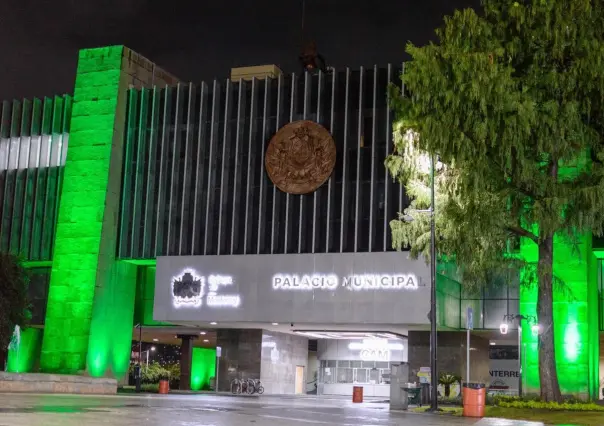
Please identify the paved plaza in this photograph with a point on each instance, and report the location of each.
(211, 410)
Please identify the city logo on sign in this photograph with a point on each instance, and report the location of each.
(189, 290)
(355, 282)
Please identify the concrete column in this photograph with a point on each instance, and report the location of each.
(241, 355)
(576, 328)
(186, 358)
(451, 355)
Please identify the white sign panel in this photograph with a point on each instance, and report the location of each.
(326, 288)
(504, 375)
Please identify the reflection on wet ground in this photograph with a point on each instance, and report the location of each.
(212, 410)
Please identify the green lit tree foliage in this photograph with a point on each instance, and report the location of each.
(14, 304)
(511, 99)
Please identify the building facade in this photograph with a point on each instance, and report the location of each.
(143, 207)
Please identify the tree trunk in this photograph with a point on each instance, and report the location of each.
(548, 375)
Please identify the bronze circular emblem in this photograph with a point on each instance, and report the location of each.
(300, 157)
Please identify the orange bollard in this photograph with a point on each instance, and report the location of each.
(164, 387)
(474, 399)
(357, 394)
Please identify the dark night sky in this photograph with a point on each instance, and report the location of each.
(199, 40)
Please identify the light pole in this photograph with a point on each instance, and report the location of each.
(503, 328)
(137, 368)
(432, 314)
(433, 335)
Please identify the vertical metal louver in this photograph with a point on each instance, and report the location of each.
(194, 180)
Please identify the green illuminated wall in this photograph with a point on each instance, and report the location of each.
(575, 319)
(145, 296)
(111, 326)
(87, 221)
(448, 307)
(203, 367)
(23, 358)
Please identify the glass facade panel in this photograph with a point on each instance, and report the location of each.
(38, 294)
(354, 372)
(361, 375)
(494, 312)
(345, 375)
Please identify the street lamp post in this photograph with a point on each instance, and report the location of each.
(432, 313)
(140, 355)
(433, 335)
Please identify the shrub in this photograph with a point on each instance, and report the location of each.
(150, 388)
(456, 400)
(152, 373)
(533, 402)
(174, 374)
(552, 406)
(448, 379)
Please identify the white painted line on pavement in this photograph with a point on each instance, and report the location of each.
(318, 421)
(294, 419)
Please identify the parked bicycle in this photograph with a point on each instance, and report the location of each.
(246, 386)
(255, 386)
(236, 386)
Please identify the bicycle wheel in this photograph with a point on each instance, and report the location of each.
(260, 390)
(250, 389)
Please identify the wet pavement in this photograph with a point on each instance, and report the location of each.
(212, 410)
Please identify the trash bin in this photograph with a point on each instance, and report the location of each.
(357, 394)
(474, 399)
(164, 387)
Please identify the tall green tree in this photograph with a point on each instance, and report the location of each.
(511, 98)
(14, 304)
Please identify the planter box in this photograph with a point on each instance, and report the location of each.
(55, 383)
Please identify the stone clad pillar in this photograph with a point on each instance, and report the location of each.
(86, 282)
(576, 328)
(186, 358)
